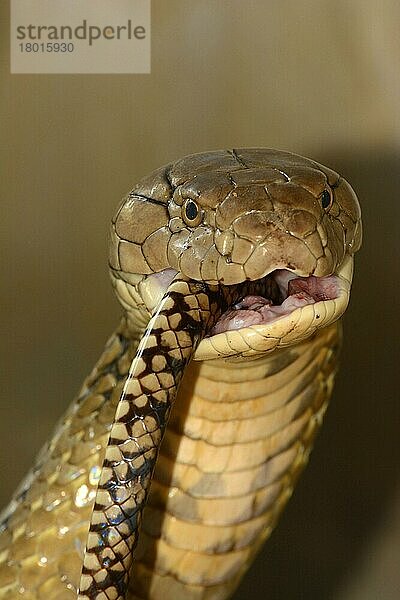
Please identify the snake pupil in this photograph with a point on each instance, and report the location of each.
(325, 199)
(191, 210)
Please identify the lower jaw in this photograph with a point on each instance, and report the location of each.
(280, 330)
(276, 296)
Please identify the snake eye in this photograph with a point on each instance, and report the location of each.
(192, 213)
(326, 199)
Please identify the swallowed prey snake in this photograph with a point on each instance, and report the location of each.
(232, 268)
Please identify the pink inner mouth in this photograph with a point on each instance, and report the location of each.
(295, 292)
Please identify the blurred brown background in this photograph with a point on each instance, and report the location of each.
(320, 78)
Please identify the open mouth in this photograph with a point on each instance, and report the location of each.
(276, 311)
(261, 302)
(279, 294)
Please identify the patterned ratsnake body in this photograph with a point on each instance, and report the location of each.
(242, 261)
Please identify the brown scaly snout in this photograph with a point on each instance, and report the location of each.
(237, 223)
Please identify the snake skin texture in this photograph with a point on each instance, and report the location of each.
(139, 424)
(171, 467)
